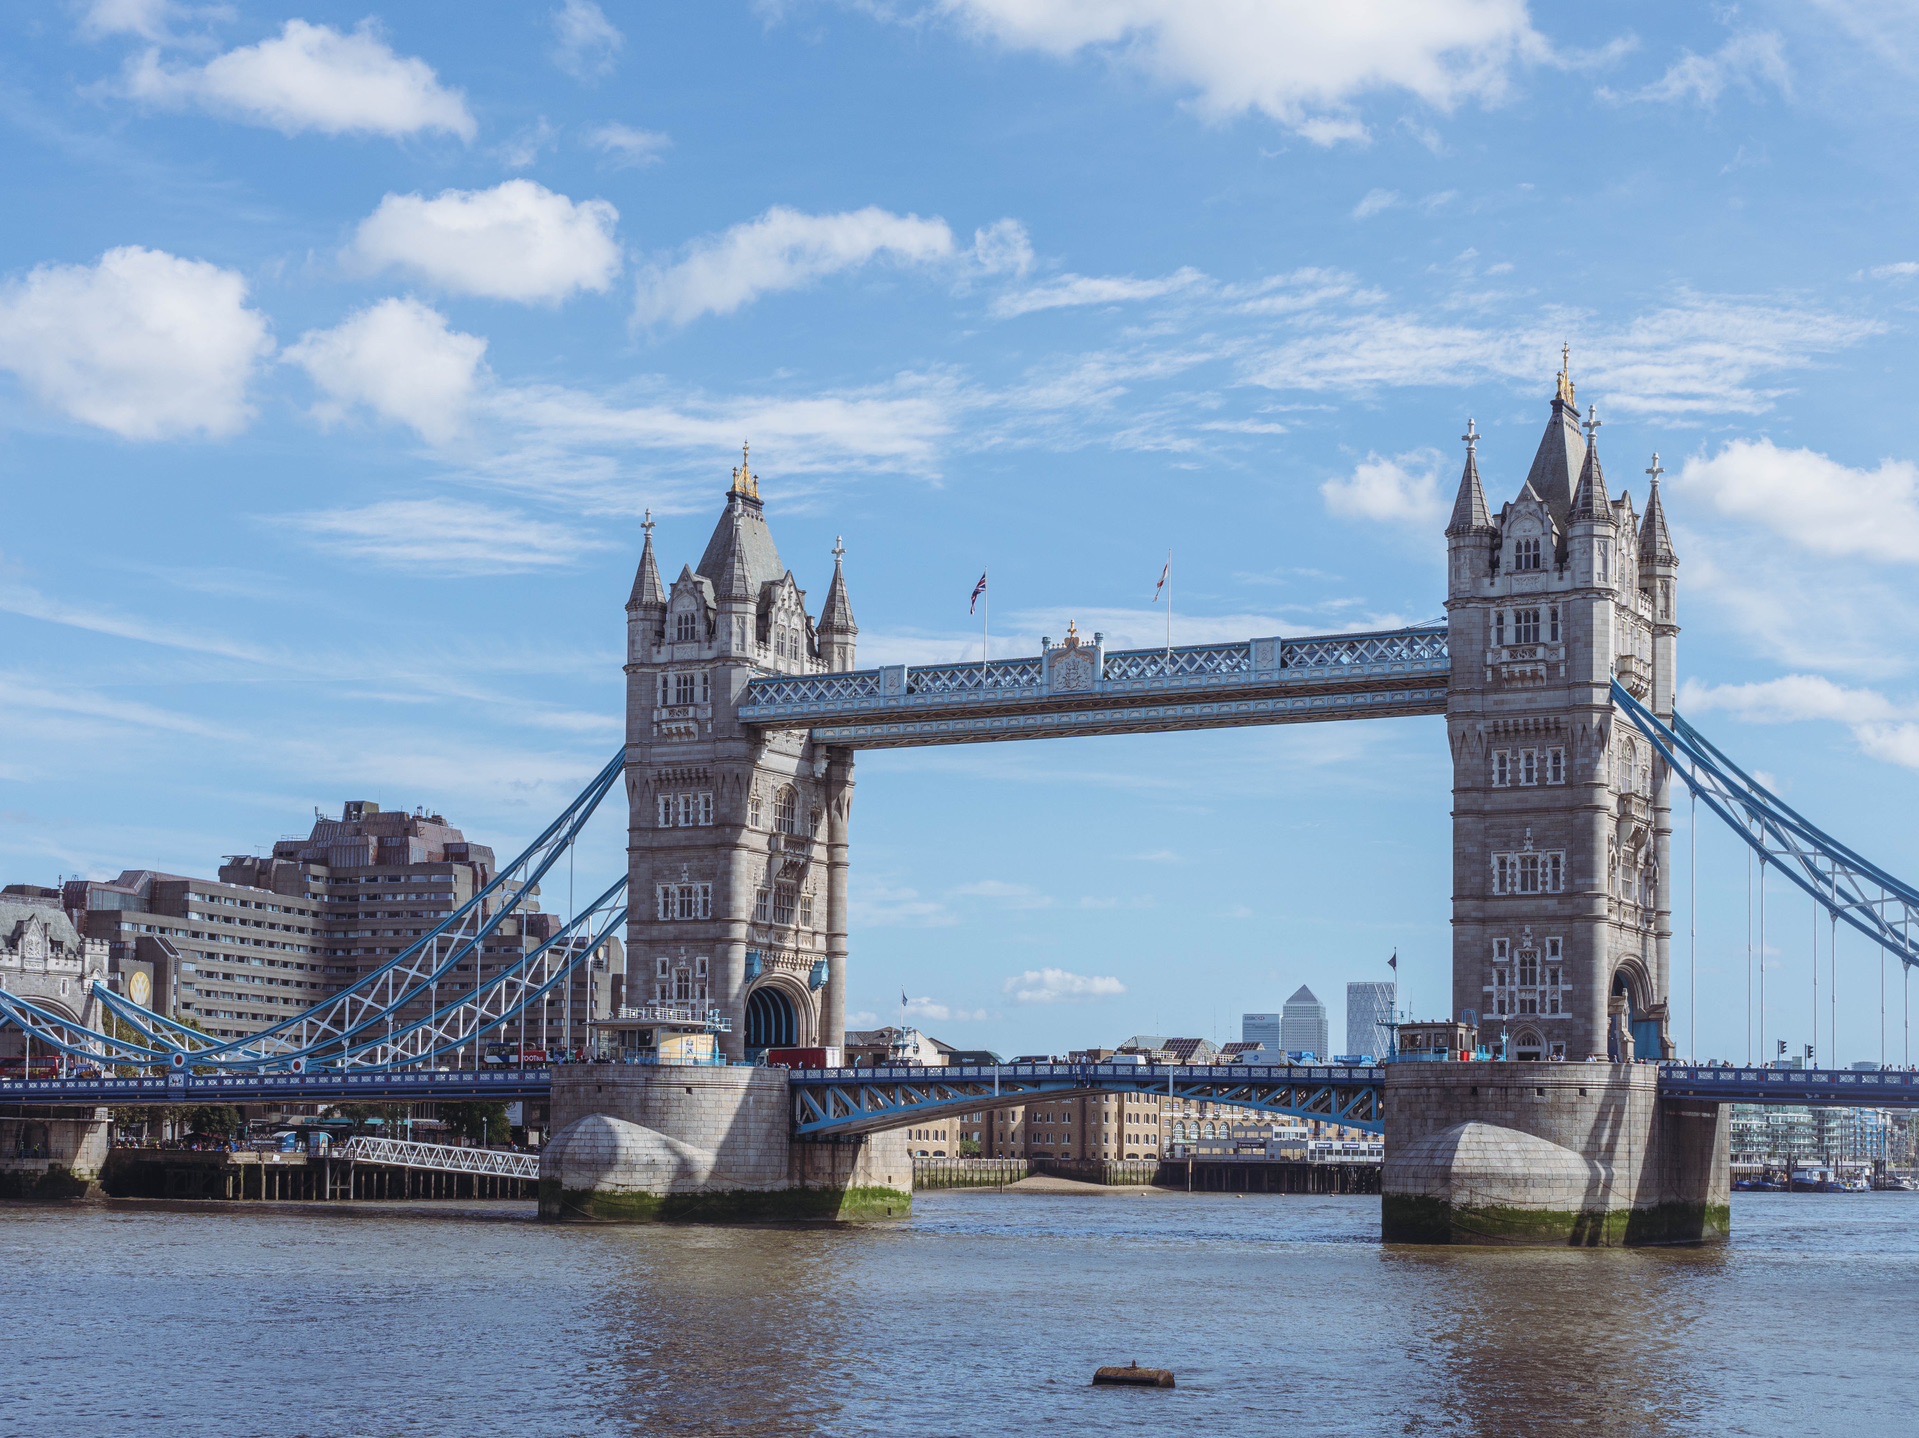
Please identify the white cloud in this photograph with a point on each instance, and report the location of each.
(1302, 64)
(942, 1013)
(526, 145)
(1375, 202)
(312, 77)
(1882, 728)
(1057, 986)
(1752, 61)
(1813, 501)
(1401, 490)
(143, 343)
(1016, 896)
(784, 249)
(400, 359)
(144, 18)
(1070, 291)
(627, 147)
(587, 45)
(1003, 248)
(882, 905)
(516, 241)
(1902, 270)
(445, 536)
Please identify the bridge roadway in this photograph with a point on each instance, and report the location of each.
(1078, 688)
(852, 1101)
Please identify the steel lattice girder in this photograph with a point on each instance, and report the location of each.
(356, 1084)
(440, 1157)
(1812, 1088)
(1257, 681)
(852, 1101)
(1847, 885)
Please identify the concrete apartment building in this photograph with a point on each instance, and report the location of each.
(228, 958)
(274, 936)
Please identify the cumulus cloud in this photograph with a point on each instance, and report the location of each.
(311, 77)
(938, 1012)
(1058, 986)
(1072, 291)
(625, 147)
(1901, 270)
(143, 343)
(1815, 502)
(784, 249)
(145, 18)
(1003, 248)
(445, 536)
(1303, 65)
(1753, 62)
(401, 360)
(1401, 490)
(516, 241)
(586, 44)
(1883, 728)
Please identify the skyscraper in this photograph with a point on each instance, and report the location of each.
(1260, 1029)
(1369, 1007)
(1302, 1024)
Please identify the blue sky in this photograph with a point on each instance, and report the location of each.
(342, 350)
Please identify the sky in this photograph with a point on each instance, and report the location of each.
(342, 351)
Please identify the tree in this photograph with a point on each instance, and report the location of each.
(213, 1120)
(476, 1122)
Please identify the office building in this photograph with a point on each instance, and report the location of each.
(1369, 1012)
(1302, 1025)
(1262, 1029)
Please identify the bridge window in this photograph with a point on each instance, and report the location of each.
(1526, 554)
(691, 687)
(763, 906)
(1526, 625)
(686, 811)
(684, 901)
(783, 903)
(685, 627)
(1552, 624)
(1530, 873)
(1555, 766)
(1502, 768)
(755, 809)
(1499, 628)
(786, 810)
(1529, 766)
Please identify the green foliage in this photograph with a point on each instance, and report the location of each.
(212, 1120)
(476, 1122)
(969, 1148)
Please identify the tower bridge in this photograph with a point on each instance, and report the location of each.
(1555, 671)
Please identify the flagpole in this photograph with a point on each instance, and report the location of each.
(986, 628)
(1169, 607)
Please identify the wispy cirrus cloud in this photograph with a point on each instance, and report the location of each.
(446, 537)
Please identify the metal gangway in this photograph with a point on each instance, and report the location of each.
(441, 1157)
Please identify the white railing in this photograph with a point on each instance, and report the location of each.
(441, 1157)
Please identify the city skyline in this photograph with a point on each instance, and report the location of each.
(1089, 299)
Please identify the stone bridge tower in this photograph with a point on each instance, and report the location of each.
(1562, 880)
(737, 839)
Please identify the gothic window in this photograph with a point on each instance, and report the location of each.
(1525, 626)
(1526, 554)
(662, 966)
(1499, 628)
(1529, 873)
(1552, 624)
(806, 910)
(666, 811)
(682, 985)
(1502, 768)
(1605, 562)
(684, 627)
(684, 901)
(1555, 766)
(1529, 968)
(786, 810)
(1528, 766)
(763, 906)
(753, 809)
(784, 901)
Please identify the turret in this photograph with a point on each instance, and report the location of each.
(646, 606)
(1659, 580)
(837, 631)
(1471, 535)
(1562, 449)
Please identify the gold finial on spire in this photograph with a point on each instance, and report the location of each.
(745, 483)
(1566, 374)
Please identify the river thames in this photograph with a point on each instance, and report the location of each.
(986, 1313)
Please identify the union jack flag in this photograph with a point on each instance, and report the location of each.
(978, 590)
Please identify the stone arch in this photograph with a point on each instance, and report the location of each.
(1527, 1044)
(779, 1014)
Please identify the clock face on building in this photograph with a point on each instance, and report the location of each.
(140, 988)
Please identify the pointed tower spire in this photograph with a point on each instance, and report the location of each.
(1562, 449)
(1655, 540)
(735, 581)
(837, 629)
(1590, 502)
(1470, 512)
(648, 592)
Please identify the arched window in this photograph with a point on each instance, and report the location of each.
(754, 809)
(684, 627)
(1526, 554)
(786, 811)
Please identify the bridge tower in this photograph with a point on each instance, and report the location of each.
(737, 838)
(1562, 898)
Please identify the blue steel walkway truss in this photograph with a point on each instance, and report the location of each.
(1084, 690)
(832, 1102)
